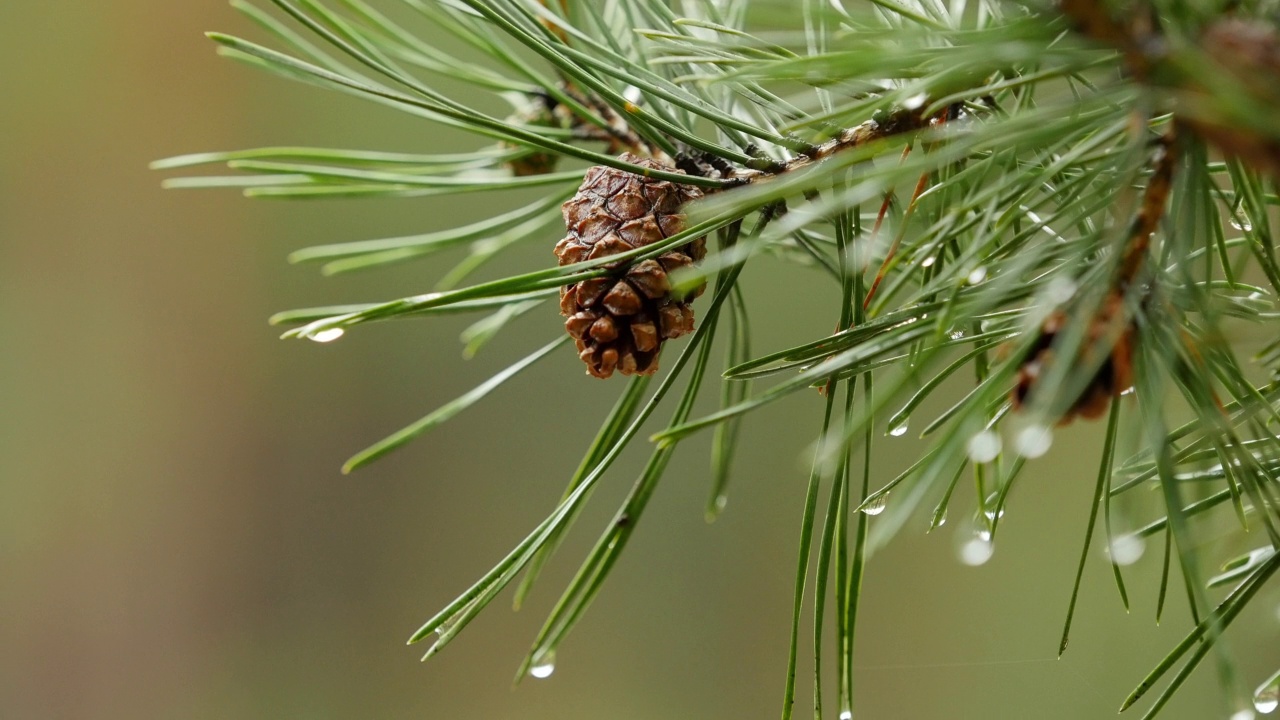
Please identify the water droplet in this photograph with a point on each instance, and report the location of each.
(940, 519)
(1033, 441)
(957, 335)
(1127, 549)
(876, 505)
(977, 275)
(984, 536)
(984, 447)
(976, 552)
(846, 715)
(1267, 697)
(722, 501)
(1241, 222)
(1060, 290)
(915, 101)
(993, 515)
(899, 430)
(1245, 714)
(929, 261)
(544, 665)
(325, 336)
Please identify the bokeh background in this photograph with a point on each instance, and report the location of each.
(176, 540)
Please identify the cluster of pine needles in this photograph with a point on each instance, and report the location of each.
(1071, 210)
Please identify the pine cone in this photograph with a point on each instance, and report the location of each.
(620, 321)
(532, 161)
(1114, 376)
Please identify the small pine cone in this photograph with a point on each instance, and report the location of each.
(1113, 377)
(620, 321)
(533, 161)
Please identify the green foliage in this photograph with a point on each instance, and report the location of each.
(989, 187)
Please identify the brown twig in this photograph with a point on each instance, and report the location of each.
(1154, 199)
(1111, 328)
(897, 240)
(896, 122)
(921, 184)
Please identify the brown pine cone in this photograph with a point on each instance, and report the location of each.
(1114, 376)
(619, 321)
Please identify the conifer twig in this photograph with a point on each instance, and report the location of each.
(1021, 233)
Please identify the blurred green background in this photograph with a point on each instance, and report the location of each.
(176, 540)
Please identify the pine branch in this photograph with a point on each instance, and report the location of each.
(996, 190)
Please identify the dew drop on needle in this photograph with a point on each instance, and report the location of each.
(326, 336)
(984, 447)
(1033, 441)
(1127, 549)
(1060, 290)
(545, 665)
(915, 101)
(876, 505)
(1267, 697)
(976, 551)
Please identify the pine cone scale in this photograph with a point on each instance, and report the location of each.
(622, 300)
(650, 279)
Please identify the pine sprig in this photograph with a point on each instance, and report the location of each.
(1070, 204)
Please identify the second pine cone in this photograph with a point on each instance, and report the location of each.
(619, 321)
